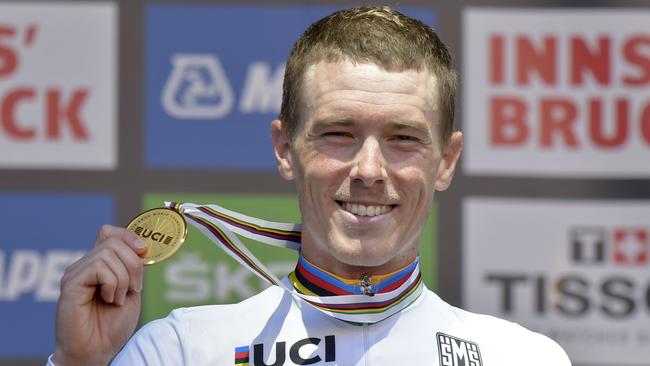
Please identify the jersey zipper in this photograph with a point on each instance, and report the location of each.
(365, 343)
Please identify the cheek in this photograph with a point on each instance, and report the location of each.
(322, 168)
(416, 178)
(423, 162)
(316, 177)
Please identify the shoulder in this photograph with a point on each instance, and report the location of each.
(174, 337)
(502, 338)
(500, 341)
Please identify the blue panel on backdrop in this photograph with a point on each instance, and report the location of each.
(41, 235)
(214, 78)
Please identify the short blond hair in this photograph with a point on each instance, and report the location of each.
(378, 35)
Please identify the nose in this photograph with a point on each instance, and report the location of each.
(369, 166)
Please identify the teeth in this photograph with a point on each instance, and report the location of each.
(363, 210)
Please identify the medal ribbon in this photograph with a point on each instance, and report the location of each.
(220, 225)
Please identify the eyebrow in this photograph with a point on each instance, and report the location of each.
(410, 125)
(395, 125)
(333, 121)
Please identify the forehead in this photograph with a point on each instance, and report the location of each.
(329, 87)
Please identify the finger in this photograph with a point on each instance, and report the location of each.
(82, 273)
(87, 261)
(133, 264)
(98, 270)
(74, 267)
(127, 236)
(106, 280)
(72, 272)
(121, 274)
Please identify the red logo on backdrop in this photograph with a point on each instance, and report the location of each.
(625, 246)
(61, 109)
(631, 246)
(569, 60)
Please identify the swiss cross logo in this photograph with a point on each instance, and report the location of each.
(621, 246)
(631, 246)
(457, 352)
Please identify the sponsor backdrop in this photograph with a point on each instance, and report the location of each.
(111, 107)
(560, 93)
(58, 86)
(585, 281)
(33, 256)
(565, 89)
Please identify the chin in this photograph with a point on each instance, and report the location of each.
(360, 255)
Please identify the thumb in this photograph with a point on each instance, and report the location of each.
(133, 240)
(139, 246)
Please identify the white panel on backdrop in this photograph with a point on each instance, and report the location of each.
(557, 92)
(578, 271)
(58, 85)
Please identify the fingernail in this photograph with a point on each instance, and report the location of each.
(138, 244)
(138, 285)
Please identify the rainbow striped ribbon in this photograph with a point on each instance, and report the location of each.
(221, 225)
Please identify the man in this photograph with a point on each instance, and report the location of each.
(366, 132)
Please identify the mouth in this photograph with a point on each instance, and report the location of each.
(359, 209)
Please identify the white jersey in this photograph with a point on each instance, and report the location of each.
(272, 328)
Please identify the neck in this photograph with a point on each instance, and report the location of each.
(309, 279)
(351, 270)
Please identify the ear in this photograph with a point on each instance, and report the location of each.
(282, 149)
(447, 164)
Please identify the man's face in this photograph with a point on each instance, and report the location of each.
(366, 159)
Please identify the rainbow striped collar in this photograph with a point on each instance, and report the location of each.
(308, 279)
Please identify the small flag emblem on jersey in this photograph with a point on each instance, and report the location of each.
(241, 356)
(457, 352)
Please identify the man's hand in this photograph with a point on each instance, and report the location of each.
(100, 300)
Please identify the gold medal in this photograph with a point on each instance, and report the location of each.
(163, 231)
